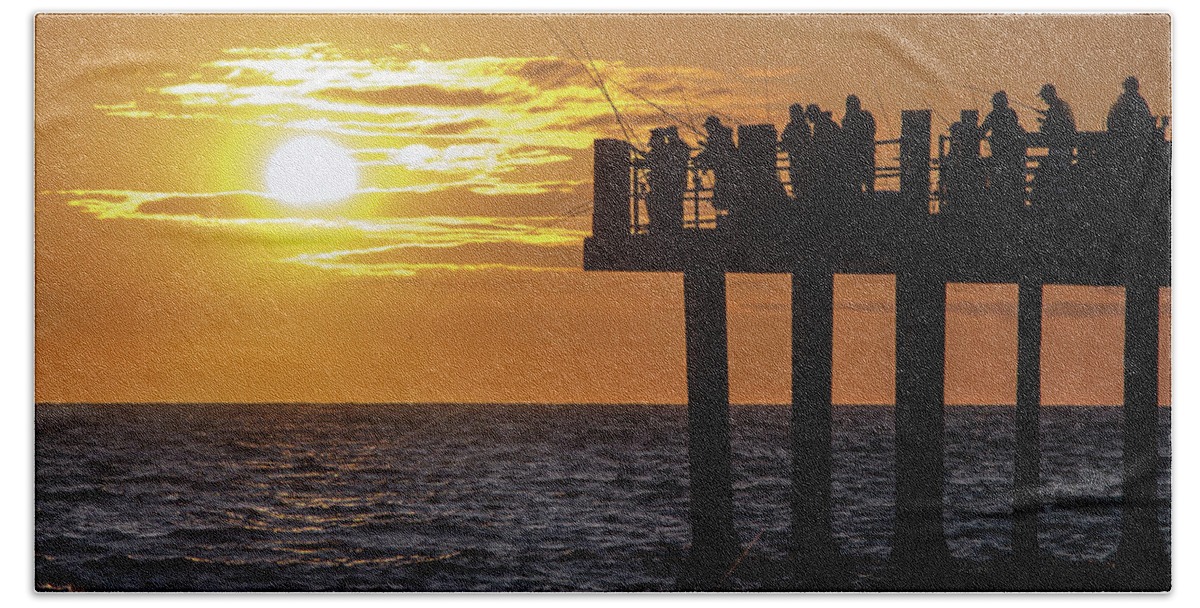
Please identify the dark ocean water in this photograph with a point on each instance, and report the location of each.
(503, 497)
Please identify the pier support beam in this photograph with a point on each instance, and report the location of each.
(1142, 547)
(714, 542)
(919, 552)
(1026, 468)
(812, 421)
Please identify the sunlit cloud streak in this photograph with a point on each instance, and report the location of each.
(482, 157)
(514, 100)
(433, 232)
(340, 262)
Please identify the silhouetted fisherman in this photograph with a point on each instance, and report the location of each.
(1006, 138)
(1128, 146)
(668, 159)
(797, 141)
(962, 177)
(1131, 114)
(1058, 127)
(858, 134)
(827, 167)
(720, 155)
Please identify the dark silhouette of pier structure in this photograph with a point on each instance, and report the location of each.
(1083, 208)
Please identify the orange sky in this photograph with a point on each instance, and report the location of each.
(165, 273)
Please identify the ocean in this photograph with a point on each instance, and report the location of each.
(237, 497)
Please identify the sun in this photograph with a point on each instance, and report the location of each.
(311, 170)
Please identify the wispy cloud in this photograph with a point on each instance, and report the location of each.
(204, 211)
(515, 101)
(348, 262)
(487, 158)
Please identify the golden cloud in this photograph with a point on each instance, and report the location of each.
(414, 95)
(520, 240)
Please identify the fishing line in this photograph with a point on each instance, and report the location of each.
(599, 77)
(629, 139)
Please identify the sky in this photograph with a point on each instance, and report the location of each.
(167, 269)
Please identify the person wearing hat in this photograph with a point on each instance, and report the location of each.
(1057, 119)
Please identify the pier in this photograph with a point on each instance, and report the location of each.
(1092, 208)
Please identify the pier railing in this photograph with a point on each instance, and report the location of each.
(1067, 173)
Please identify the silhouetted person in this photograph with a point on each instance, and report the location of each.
(1006, 138)
(827, 173)
(720, 155)
(858, 134)
(962, 177)
(762, 192)
(668, 159)
(797, 141)
(1057, 119)
(1128, 147)
(1058, 125)
(1130, 115)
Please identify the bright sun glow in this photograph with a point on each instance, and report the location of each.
(311, 170)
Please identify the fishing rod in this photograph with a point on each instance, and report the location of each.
(599, 80)
(588, 54)
(1011, 98)
(721, 114)
(629, 139)
(677, 119)
(687, 107)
